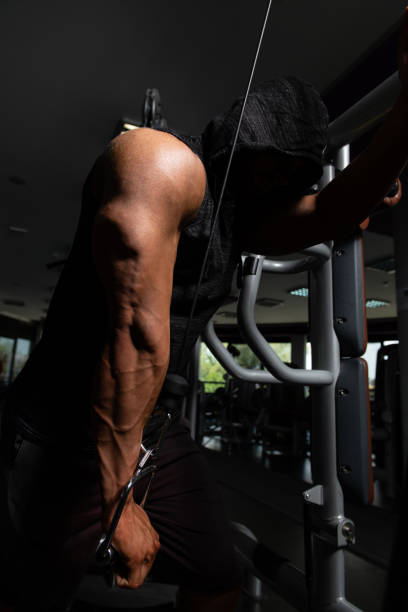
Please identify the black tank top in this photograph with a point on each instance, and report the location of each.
(53, 392)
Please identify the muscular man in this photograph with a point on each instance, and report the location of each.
(74, 419)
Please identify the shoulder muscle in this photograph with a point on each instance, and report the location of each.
(146, 168)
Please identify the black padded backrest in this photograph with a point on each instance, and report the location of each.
(353, 421)
(349, 296)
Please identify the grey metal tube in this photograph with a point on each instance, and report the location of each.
(343, 157)
(228, 362)
(329, 172)
(365, 114)
(329, 573)
(314, 255)
(293, 266)
(260, 346)
(321, 251)
(325, 353)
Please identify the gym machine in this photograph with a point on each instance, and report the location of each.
(327, 530)
(341, 439)
(341, 428)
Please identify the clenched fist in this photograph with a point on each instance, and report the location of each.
(137, 544)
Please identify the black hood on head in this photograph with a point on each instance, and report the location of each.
(284, 114)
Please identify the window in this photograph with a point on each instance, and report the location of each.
(371, 358)
(6, 358)
(14, 353)
(308, 357)
(211, 371)
(283, 350)
(213, 375)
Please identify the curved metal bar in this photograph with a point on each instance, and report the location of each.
(228, 362)
(293, 266)
(322, 251)
(314, 255)
(260, 346)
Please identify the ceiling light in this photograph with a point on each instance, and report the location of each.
(126, 127)
(299, 291)
(374, 303)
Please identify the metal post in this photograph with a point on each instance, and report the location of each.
(298, 356)
(192, 408)
(343, 157)
(328, 562)
(253, 588)
(326, 497)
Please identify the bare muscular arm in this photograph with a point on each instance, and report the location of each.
(149, 184)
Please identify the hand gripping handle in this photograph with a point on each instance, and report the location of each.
(105, 553)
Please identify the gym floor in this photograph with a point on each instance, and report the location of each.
(264, 493)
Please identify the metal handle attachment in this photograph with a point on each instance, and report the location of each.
(105, 553)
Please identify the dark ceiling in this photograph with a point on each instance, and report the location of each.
(70, 70)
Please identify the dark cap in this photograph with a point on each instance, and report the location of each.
(284, 114)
